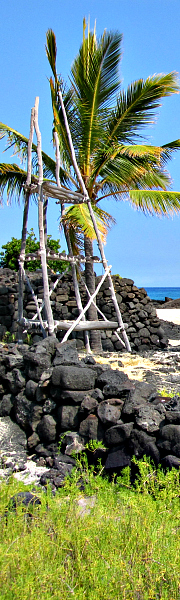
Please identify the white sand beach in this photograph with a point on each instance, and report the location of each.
(169, 314)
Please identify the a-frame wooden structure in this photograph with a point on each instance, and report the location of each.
(62, 195)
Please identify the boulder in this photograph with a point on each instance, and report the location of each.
(91, 429)
(137, 397)
(15, 380)
(6, 405)
(169, 439)
(67, 417)
(14, 360)
(23, 411)
(141, 444)
(118, 434)
(36, 364)
(66, 354)
(148, 419)
(56, 477)
(69, 396)
(13, 441)
(113, 382)
(109, 411)
(33, 441)
(31, 387)
(118, 458)
(46, 429)
(170, 462)
(88, 405)
(49, 406)
(73, 378)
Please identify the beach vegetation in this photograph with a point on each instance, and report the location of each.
(113, 541)
(11, 251)
(168, 394)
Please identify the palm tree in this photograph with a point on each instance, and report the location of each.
(14, 180)
(106, 125)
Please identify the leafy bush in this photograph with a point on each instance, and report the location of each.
(9, 258)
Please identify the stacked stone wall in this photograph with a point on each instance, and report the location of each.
(48, 395)
(142, 325)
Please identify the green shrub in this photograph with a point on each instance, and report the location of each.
(9, 258)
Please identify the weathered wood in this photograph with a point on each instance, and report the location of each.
(52, 191)
(45, 205)
(24, 227)
(36, 303)
(100, 245)
(111, 286)
(103, 316)
(86, 307)
(63, 194)
(41, 228)
(68, 241)
(51, 291)
(66, 325)
(53, 256)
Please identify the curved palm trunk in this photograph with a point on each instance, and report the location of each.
(95, 336)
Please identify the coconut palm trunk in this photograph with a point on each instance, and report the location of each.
(69, 246)
(95, 336)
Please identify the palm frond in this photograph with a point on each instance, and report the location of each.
(12, 179)
(168, 149)
(136, 107)
(59, 125)
(156, 201)
(19, 143)
(51, 50)
(79, 217)
(95, 79)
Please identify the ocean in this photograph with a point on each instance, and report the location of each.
(159, 293)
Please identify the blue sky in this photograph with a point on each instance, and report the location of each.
(143, 248)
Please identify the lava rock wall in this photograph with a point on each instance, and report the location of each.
(53, 396)
(142, 325)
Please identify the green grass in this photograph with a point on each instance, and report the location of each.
(164, 392)
(126, 548)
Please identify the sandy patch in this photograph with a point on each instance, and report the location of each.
(169, 314)
(133, 365)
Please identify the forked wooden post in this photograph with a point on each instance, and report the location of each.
(68, 241)
(24, 229)
(63, 195)
(84, 190)
(41, 228)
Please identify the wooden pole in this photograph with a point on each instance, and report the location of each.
(24, 229)
(36, 303)
(111, 286)
(41, 228)
(51, 291)
(84, 190)
(68, 241)
(66, 325)
(45, 205)
(86, 307)
(103, 316)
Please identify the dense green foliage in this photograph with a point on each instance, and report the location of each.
(9, 258)
(126, 547)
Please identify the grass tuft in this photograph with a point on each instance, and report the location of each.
(124, 546)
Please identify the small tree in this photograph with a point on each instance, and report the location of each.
(9, 258)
